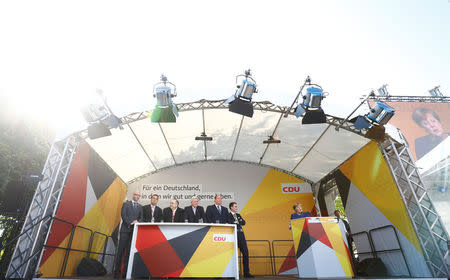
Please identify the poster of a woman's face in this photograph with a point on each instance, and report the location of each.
(431, 123)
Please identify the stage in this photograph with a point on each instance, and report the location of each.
(255, 278)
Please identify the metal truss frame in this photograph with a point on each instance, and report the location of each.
(36, 228)
(424, 218)
(257, 105)
(438, 99)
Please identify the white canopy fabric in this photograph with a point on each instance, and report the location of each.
(309, 151)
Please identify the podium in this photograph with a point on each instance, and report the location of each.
(321, 248)
(183, 250)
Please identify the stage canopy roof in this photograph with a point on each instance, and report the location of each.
(308, 151)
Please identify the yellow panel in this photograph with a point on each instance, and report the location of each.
(211, 258)
(368, 171)
(335, 236)
(297, 229)
(267, 214)
(103, 217)
(268, 194)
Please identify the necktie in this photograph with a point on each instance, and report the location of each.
(193, 209)
(173, 215)
(218, 209)
(134, 206)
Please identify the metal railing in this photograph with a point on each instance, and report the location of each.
(271, 246)
(67, 249)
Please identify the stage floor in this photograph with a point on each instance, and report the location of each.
(255, 278)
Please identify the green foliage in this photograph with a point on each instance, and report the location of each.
(24, 144)
(340, 206)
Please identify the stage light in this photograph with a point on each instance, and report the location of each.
(382, 91)
(241, 101)
(165, 110)
(272, 140)
(380, 114)
(310, 108)
(203, 137)
(436, 92)
(100, 118)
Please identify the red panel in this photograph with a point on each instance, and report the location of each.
(149, 236)
(73, 199)
(314, 212)
(162, 260)
(316, 230)
(290, 262)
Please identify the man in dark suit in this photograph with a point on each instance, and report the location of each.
(131, 213)
(216, 213)
(173, 214)
(235, 218)
(152, 212)
(194, 213)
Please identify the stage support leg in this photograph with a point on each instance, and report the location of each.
(427, 223)
(29, 246)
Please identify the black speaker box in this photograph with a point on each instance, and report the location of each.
(90, 267)
(371, 267)
(12, 198)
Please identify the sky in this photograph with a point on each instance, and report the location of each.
(55, 54)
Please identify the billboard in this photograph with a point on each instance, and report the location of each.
(425, 125)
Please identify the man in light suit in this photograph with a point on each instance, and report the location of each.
(193, 213)
(216, 213)
(152, 213)
(131, 214)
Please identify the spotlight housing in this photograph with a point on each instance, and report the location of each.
(165, 110)
(272, 140)
(100, 118)
(203, 137)
(241, 101)
(310, 108)
(380, 114)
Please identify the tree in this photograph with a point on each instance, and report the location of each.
(340, 206)
(24, 145)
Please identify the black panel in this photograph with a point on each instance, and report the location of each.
(343, 185)
(139, 267)
(306, 241)
(185, 245)
(99, 174)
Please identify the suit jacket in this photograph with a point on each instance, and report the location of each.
(147, 209)
(347, 228)
(129, 214)
(239, 223)
(193, 218)
(167, 215)
(213, 215)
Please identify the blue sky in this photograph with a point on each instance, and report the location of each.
(54, 54)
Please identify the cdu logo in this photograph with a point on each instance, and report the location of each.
(223, 237)
(296, 188)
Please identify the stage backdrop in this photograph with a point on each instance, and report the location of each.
(265, 197)
(91, 200)
(372, 200)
